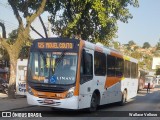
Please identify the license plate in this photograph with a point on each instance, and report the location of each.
(49, 101)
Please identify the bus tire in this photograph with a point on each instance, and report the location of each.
(124, 98)
(94, 102)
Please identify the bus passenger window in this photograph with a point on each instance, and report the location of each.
(133, 70)
(127, 69)
(111, 65)
(87, 68)
(99, 64)
(119, 67)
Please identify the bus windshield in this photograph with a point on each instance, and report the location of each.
(52, 67)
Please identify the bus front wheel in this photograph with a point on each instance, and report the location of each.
(94, 103)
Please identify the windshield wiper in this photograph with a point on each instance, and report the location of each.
(42, 54)
(59, 60)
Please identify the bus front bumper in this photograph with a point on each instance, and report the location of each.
(68, 103)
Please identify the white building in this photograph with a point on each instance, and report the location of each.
(156, 63)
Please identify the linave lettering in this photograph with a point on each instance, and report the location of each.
(65, 78)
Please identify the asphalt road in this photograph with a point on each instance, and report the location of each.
(144, 104)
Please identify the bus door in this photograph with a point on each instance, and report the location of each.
(86, 77)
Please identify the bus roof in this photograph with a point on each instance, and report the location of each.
(108, 50)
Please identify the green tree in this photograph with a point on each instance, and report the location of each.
(93, 20)
(146, 45)
(158, 45)
(11, 40)
(4, 54)
(147, 61)
(136, 55)
(12, 36)
(130, 43)
(156, 53)
(129, 46)
(116, 45)
(14, 49)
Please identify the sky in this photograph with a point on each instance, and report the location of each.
(143, 27)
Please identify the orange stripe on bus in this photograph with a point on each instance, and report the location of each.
(49, 94)
(99, 49)
(116, 55)
(110, 81)
(76, 91)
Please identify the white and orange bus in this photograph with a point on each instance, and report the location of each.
(76, 74)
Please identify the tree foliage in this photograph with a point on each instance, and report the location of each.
(93, 20)
(24, 52)
(12, 36)
(136, 55)
(146, 45)
(14, 47)
(158, 45)
(131, 42)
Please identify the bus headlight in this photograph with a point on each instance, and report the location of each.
(30, 90)
(70, 92)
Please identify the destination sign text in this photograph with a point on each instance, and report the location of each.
(55, 45)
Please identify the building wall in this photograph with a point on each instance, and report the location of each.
(155, 62)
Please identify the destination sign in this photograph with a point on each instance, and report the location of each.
(55, 45)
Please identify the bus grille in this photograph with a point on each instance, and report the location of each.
(49, 89)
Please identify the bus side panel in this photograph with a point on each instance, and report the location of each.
(112, 94)
(131, 85)
(134, 87)
(86, 88)
(98, 84)
(85, 94)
